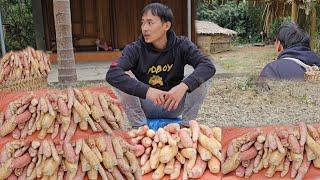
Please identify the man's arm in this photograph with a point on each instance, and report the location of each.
(203, 67)
(117, 77)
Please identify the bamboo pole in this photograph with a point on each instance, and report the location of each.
(3, 48)
(294, 11)
(313, 28)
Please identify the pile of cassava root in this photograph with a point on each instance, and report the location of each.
(60, 112)
(103, 157)
(274, 151)
(28, 63)
(174, 149)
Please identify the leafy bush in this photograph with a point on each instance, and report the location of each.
(17, 15)
(242, 18)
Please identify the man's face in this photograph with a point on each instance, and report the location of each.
(153, 28)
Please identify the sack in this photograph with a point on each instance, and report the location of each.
(155, 124)
(312, 73)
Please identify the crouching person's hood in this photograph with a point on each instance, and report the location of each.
(303, 53)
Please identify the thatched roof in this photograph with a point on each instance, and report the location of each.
(206, 27)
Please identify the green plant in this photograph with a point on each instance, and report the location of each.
(243, 18)
(17, 15)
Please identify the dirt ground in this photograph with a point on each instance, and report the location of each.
(245, 59)
(237, 101)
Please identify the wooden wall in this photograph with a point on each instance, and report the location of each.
(115, 21)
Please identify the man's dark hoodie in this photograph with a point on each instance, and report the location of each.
(161, 69)
(284, 69)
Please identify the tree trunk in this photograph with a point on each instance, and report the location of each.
(313, 28)
(66, 63)
(294, 11)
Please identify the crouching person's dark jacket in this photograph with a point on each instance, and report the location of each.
(284, 69)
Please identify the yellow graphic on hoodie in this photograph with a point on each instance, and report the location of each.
(158, 69)
(155, 79)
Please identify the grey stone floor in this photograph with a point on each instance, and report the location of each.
(94, 70)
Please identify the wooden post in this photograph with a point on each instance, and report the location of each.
(37, 16)
(313, 28)
(66, 63)
(294, 11)
(3, 48)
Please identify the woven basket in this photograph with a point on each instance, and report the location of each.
(27, 84)
(312, 76)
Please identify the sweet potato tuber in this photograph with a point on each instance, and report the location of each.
(146, 142)
(195, 129)
(159, 172)
(69, 153)
(185, 138)
(313, 132)
(85, 166)
(93, 174)
(50, 167)
(169, 167)
(294, 145)
(180, 158)
(231, 163)
(191, 155)
(172, 127)
(6, 169)
(133, 161)
(90, 156)
(246, 146)
(198, 169)
(217, 133)
(249, 169)
(1, 118)
(210, 144)
(88, 97)
(286, 166)
(303, 133)
(70, 94)
(176, 171)
(279, 144)
(21, 161)
(303, 169)
(214, 165)
(8, 126)
(167, 153)
(204, 153)
(240, 171)
(314, 146)
(146, 168)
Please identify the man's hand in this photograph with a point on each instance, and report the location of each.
(156, 96)
(174, 96)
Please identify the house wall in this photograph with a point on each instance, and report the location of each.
(220, 43)
(116, 22)
(214, 43)
(204, 42)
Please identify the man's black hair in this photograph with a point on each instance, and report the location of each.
(291, 33)
(161, 10)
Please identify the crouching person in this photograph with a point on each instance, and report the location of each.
(150, 72)
(295, 56)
